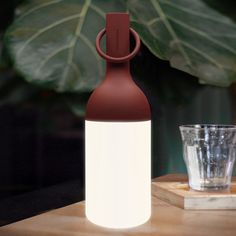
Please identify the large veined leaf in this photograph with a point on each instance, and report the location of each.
(193, 36)
(52, 42)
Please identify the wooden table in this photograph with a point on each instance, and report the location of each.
(166, 220)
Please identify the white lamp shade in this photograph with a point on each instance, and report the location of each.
(118, 173)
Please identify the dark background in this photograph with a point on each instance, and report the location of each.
(42, 141)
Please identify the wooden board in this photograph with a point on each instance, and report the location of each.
(166, 220)
(178, 193)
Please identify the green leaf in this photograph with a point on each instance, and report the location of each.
(52, 42)
(194, 37)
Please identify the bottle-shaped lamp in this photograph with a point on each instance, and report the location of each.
(118, 136)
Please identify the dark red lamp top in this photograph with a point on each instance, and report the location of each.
(118, 98)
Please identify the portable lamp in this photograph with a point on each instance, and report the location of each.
(118, 136)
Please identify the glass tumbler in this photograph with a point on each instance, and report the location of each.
(209, 155)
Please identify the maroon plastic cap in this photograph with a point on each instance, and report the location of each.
(117, 34)
(118, 98)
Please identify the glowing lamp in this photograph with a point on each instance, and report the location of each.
(118, 136)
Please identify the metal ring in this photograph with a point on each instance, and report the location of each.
(117, 59)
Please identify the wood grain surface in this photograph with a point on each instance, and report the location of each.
(179, 194)
(166, 220)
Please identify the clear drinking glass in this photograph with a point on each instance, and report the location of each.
(209, 154)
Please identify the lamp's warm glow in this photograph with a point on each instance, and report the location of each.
(118, 173)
